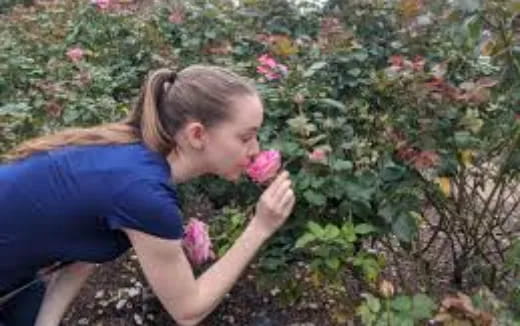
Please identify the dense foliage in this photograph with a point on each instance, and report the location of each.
(399, 121)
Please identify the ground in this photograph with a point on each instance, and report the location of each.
(117, 294)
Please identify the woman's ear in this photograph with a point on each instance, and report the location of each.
(196, 134)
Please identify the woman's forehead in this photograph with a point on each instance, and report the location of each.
(248, 111)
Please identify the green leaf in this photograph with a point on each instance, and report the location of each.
(514, 6)
(402, 303)
(473, 28)
(334, 103)
(333, 263)
(393, 173)
(313, 68)
(15, 109)
(423, 306)
(314, 198)
(317, 183)
(304, 240)
(373, 303)
(354, 72)
(403, 320)
(349, 232)
(360, 56)
(469, 5)
(315, 228)
(331, 231)
(341, 165)
(367, 317)
(365, 228)
(404, 227)
(463, 139)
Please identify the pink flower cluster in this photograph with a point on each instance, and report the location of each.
(265, 166)
(318, 155)
(271, 69)
(398, 63)
(75, 54)
(101, 4)
(197, 242)
(176, 17)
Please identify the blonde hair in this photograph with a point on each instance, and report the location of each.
(168, 100)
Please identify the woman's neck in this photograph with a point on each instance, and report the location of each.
(185, 165)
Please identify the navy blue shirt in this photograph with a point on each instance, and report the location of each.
(70, 204)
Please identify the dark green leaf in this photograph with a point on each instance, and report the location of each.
(402, 303)
(314, 198)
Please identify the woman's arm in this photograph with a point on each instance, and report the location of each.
(61, 290)
(190, 300)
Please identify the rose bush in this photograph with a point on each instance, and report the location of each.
(398, 121)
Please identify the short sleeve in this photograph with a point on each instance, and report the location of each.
(148, 206)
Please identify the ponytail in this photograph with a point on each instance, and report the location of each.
(153, 133)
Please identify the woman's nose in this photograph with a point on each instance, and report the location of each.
(255, 148)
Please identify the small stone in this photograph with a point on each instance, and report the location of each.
(120, 304)
(138, 319)
(275, 291)
(99, 294)
(83, 321)
(132, 292)
(313, 306)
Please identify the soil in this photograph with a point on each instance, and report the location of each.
(117, 294)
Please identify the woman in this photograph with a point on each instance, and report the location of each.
(86, 195)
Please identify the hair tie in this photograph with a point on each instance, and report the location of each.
(169, 81)
(172, 77)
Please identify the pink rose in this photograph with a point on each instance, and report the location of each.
(263, 70)
(176, 17)
(75, 54)
(197, 242)
(101, 4)
(265, 166)
(272, 76)
(318, 155)
(267, 60)
(271, 69)
(396, 60)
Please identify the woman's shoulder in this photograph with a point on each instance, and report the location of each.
(133, 158)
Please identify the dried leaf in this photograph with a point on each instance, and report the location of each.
(445, 185)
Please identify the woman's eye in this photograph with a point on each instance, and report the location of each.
(246, 139)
